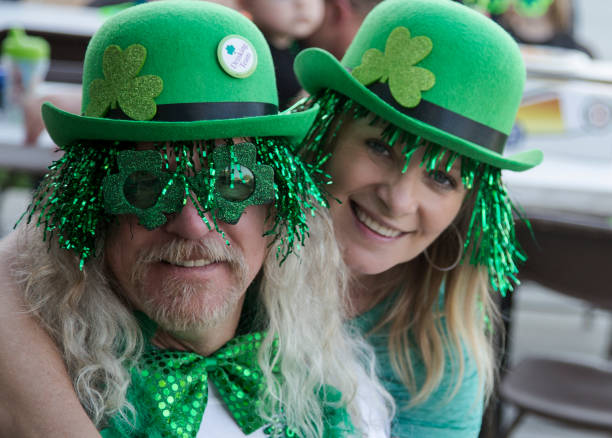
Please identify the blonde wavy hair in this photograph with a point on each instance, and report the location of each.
(100, 339)
(461, 327)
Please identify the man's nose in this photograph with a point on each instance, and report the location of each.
(188, 224)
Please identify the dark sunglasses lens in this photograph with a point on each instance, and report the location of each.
(236, 184)
(142, 189)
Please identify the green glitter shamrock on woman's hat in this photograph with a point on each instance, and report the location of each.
(397, 67)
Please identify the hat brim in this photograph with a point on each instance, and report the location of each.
(317, 69)
(66, 128)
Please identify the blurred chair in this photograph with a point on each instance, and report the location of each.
(573, 257)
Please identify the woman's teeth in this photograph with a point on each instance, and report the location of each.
(375, 226)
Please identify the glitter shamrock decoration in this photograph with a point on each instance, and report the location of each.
(121, 86)
(142, 188)
(240, 181)
(397, 67)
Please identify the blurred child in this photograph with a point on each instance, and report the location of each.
(282, 23)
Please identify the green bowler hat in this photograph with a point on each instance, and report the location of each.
(434, 68)
(176, 70)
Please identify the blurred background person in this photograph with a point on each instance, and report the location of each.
(283, 22)
(553, 28)
(341, 20)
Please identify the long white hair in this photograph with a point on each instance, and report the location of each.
(302, 301)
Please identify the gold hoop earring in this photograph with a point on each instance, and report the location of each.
(459, 256)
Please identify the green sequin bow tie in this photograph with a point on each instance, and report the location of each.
(169, 390)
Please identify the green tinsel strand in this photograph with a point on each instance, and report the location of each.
(295, 191)
(209, 147)
(69, 203)
(183, 159)
(394, 138)
(433, 154)
(185, 154)
(497, 248)
(326, 127)
(207, 204)
(233, 164)
(358, 112)
(408, 151)
(452, 157)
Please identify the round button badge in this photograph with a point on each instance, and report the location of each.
(237, 56)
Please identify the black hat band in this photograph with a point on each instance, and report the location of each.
(193, 112)
(446, 120)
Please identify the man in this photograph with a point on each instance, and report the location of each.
(142, 240)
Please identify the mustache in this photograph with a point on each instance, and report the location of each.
(180, 250)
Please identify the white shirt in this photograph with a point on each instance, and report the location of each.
(217, 421)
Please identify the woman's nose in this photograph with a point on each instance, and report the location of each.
(401, 194)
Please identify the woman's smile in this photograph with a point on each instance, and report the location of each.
(374, 225)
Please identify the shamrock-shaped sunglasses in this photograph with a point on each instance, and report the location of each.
(232, 181)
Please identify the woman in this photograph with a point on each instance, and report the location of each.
(414, 121)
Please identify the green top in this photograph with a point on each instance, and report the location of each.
(438, 416)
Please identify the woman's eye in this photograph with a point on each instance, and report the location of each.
(442, 178)
(378, 147)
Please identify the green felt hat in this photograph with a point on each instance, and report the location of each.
(176, 70)
(434, 68)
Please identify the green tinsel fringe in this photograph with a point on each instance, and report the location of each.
(69, 203)
(490, 239)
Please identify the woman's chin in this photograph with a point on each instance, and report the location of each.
(367, 266)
